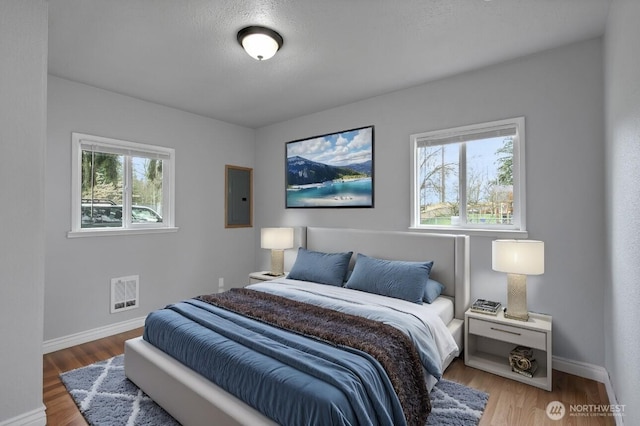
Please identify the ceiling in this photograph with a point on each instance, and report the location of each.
(184, 53)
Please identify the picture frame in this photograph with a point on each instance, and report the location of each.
(334, 170)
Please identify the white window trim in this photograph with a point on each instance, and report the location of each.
(518, 228)
(79, 140)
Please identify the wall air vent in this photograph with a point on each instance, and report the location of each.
(124, 293)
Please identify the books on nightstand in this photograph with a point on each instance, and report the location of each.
(486, 307)
(522, 361)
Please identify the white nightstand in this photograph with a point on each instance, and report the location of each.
(488, 340)
(258, 277)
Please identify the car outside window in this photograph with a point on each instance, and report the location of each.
(110, 215)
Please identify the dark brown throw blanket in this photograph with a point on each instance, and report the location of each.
(388, 345)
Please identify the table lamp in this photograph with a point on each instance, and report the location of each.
(276, 239)
(518, 258)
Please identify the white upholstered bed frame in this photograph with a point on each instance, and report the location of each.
(194, 400)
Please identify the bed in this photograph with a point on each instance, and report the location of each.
(193, 400)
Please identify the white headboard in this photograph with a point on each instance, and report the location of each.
(450, 253)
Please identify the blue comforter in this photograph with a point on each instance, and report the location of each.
(292, 379)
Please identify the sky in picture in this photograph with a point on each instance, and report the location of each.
(337, 149)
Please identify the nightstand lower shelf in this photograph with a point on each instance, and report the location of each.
(495, 364)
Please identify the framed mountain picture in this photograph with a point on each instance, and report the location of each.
(331, 171)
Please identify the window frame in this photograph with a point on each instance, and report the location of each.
(128, 150)
(518, 227)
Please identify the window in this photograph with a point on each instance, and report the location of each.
(120, 186)
(469, 177)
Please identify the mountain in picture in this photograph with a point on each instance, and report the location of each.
(362, 168)
(301, 171)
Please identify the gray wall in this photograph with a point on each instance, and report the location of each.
(560, 93)
(171, 266)
(23, 89)
(622, 333)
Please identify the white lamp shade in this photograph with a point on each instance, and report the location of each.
(260, 46)
(276, 238)
(524, 257)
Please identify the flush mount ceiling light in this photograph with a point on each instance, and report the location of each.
(259, 42)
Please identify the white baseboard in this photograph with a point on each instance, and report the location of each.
(581, 369)
(589, 371)
(37, 417)
(89, 335)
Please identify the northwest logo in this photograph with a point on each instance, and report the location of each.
(556, 410)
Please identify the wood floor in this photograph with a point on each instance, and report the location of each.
(61, 410)
(510, 403)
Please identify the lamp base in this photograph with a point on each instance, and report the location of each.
(517, 297)
(524, 317)
(277, 263)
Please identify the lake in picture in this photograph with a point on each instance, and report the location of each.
(347, 193)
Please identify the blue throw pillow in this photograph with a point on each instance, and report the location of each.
(432, 290)
(319, 267)
(392, 278)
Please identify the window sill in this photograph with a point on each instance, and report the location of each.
(475, 232)
(113, 232)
